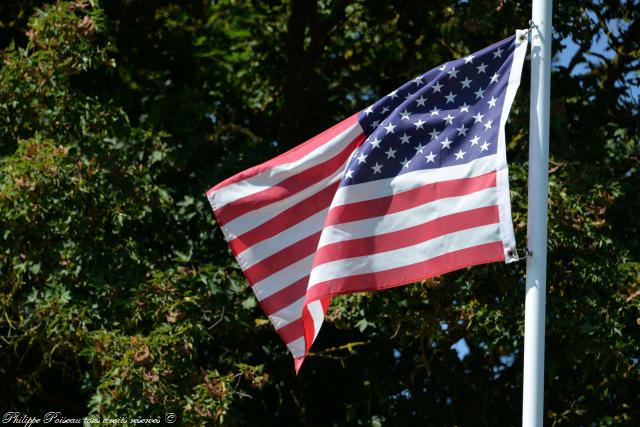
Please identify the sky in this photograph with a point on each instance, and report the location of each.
(599, 45)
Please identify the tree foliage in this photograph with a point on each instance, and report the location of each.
(119, 296)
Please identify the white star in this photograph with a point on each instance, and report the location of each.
(478, 118)
(405, 164)
(487, 125)
(460, 155)
(418, 81)
(348, 174)
(369, 110)
(418, 148)
(393, 94)
(481, 68)
(446, 143)
(421, 101)
(485, 146)
(480, 93)
(443, 67)
(390, 127)
(375, 123)
(466, 83)
(375, 142)
(474, 140)
(362, 158)
(391, 153)
(405, 114)
(468, 59)
(453, 73)
(450, 97)
(435, 111)
(434, 134)
(409, 95)
(498, 53)
(404, 139)
(492, 102)
(385, 109)
(431, 157)
(419, 124)
(377, 168)
(464, 108)
(436, 87)
(462, 130)
(448, 119)
(494, 78)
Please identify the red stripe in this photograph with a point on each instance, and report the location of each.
(307, 320)
(281, 259)
(481, 254)
(409, 199)
(325, 304)
(291, 331)
(287, 187)
(292, 155)
(408, 236)
(285, 219)
(284, 297)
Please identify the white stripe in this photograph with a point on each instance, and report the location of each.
(407, 218)
(288, 314)
(386, 187)
(317, 314)
(296, 347)
(283, 278)
(284, 239)
(277, 174)
(405, 256)
(253, 219)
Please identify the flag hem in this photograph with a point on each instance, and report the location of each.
(507, 234)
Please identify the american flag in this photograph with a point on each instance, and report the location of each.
(414, 186)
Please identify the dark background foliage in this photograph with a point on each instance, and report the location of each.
(119, 296)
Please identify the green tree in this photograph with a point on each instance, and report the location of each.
(119, 296)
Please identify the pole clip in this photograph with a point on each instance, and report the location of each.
(526, 33)
(519, 254)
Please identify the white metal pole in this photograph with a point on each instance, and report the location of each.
(533, 377)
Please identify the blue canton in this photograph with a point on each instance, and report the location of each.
(448, 116)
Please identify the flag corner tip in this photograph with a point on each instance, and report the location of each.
(297, 364)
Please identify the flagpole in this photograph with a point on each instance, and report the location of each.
(534, 317)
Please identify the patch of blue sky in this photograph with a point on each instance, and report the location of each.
(508, 360)
(599, 52)
(462, 348)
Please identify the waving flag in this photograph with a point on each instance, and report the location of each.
(414, 186)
